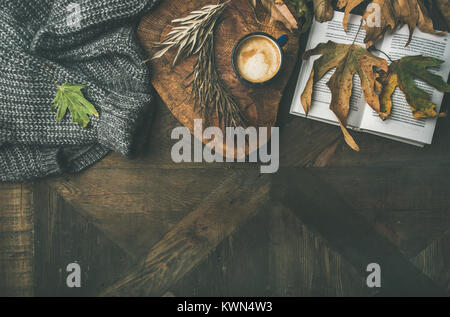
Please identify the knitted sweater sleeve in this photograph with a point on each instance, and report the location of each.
(39, 43)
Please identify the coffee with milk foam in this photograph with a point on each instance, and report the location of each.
(258, 59)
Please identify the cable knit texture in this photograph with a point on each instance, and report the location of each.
(101, 52)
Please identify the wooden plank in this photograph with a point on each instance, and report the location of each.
(379, 152)
(319, 207)
(64, 236)
(434, 261)
(230, 205)
(16, 240)
(238, 267)
(405, 205)
(302, 141)
(136, 208)
(303, 264)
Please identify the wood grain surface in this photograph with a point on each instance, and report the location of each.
(16, 240)
(188, 243)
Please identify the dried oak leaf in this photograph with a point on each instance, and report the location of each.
(348, 61)
(279, 12)
(402, 74)
(323, 10)
(393, 13)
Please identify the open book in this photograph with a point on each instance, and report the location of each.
(400, 125)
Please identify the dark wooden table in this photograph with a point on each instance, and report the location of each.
(153, 227)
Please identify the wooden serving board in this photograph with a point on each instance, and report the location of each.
(260, 104)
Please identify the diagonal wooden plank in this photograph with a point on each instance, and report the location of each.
(136, 208)
(16, 240)
(64, 236)
(237, 199)
(239, 266)
(434, 261)
(408, 206)
(303, 264)
(318, 206)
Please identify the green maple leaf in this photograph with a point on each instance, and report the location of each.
(402, 74)
(69, 96)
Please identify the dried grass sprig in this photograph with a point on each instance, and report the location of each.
(194, 35)
(191, 33)
(210, 93)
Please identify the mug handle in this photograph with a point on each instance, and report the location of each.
(282, 40)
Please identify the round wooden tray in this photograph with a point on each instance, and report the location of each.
(260, 105)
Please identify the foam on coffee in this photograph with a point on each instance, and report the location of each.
(258, 59)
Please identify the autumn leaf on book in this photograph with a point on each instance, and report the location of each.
(69, 97)
(393, 13)
(348, 60)
(402, 74)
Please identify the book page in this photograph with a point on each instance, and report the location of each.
(401, 122)
(321, 99)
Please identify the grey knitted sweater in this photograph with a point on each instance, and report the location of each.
(99, 50)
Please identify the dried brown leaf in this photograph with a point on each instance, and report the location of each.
(347, 60)
(393, 13)
(279, 12)
(323, 10)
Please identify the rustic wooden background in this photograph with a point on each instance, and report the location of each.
(153, 227)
